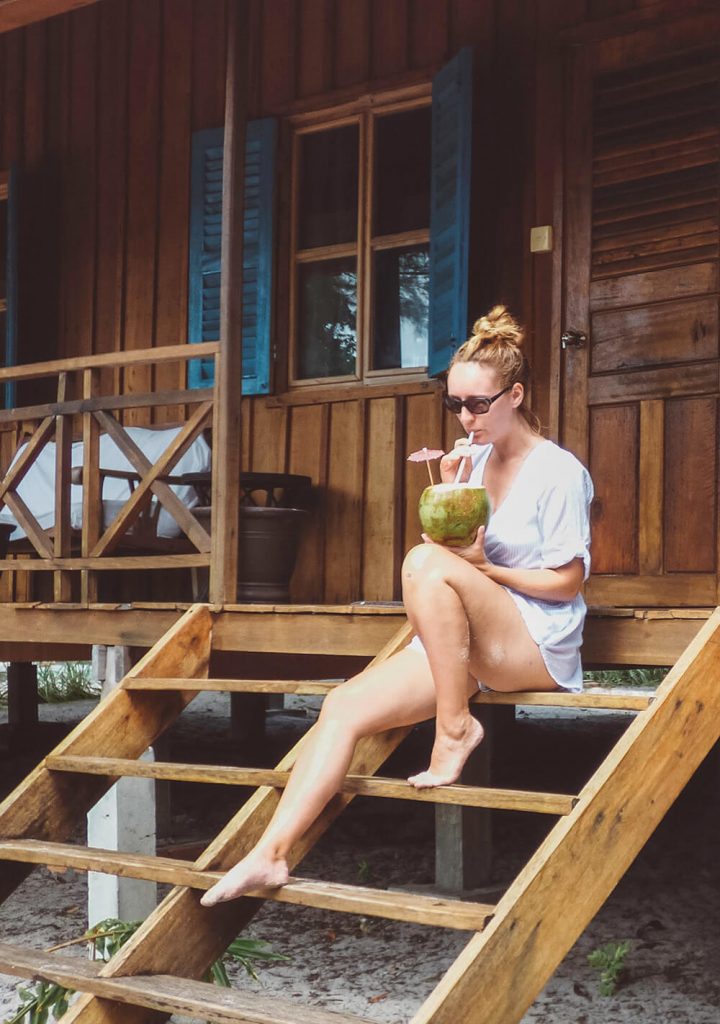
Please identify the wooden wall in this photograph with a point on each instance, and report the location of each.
(98, 109)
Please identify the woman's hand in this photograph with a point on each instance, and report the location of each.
(474, 553)
(449, 462)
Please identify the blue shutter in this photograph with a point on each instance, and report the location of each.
(450, 209)
(11, 286)
(205, 241)
(258, 238)
(258, 254)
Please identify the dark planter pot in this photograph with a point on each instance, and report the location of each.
(269, 540)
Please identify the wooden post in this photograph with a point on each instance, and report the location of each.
(228, 366)
(122, 819)
(22, 695)
(63, 456)
(92, 496)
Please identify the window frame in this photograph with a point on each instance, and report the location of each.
(363, 112)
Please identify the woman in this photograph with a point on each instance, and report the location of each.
(505, 612)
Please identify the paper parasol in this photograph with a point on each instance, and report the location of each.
(426, 455)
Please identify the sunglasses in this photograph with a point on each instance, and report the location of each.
(476, 406)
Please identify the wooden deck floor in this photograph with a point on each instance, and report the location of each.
(613, 636)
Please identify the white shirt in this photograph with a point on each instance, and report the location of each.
(543, 523)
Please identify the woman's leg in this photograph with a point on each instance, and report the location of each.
(395, 693)
(467, 623)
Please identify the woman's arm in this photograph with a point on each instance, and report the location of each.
(561, 584)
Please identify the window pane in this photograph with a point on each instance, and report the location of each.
(328, 194)
(327, 339)
(402, 291)
(402, 172)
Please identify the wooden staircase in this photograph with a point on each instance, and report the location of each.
(514, 947)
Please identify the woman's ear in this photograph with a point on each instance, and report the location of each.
(517, 394)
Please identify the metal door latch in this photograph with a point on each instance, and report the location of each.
(573, 339)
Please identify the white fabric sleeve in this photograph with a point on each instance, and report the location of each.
(564, 519)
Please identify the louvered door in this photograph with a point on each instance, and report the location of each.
(641, 283)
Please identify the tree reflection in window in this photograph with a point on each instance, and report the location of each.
(328, 319)
(402, 284)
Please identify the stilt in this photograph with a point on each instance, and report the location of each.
(22, 696)
(122, 820)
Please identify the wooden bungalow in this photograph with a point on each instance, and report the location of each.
(305, 203)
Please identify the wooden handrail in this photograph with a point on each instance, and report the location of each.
(161, 354)
(146, 400)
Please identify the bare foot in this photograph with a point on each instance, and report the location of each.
(256, 871)
(448, 757)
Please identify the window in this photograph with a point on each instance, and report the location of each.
(379, 238)
(360, 236)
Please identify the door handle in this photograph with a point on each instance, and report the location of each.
(573, 339)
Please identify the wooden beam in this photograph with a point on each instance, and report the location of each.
(321, 687)
(535, 923)
(349, 899)
(16, 13)
(390, 789)
(26, 461)
(134, 400)
(636, 641)
(115, 562)
(140, 494)
(654, 637)
(162, 354)
(162, 491)
(227, 423)
(200, 1000)
(305, 634)
(45, 652)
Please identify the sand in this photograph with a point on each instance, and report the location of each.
(667, 905)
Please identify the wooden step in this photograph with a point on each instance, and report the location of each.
(320, 687)
(394, 906)
(300, 686)
(559, 699)
(169, 994)
(359, 785)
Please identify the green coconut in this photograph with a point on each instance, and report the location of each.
(451, 513)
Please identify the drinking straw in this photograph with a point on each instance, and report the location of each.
(427, 463)
(462, 459)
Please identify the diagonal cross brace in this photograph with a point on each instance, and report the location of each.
(149, 481)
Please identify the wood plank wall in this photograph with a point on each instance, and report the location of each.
(98, 109)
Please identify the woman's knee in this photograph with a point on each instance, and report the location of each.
(426, 563)
(340, 708)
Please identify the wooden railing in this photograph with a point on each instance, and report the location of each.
(82, 411)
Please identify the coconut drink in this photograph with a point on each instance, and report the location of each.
(451, 513)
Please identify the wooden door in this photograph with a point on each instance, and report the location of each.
(640, 392)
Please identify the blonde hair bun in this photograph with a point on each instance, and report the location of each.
(496, 326)
(496, 342)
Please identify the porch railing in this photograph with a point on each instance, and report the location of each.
(81, 410)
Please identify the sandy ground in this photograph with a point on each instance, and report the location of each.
(667, 905)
